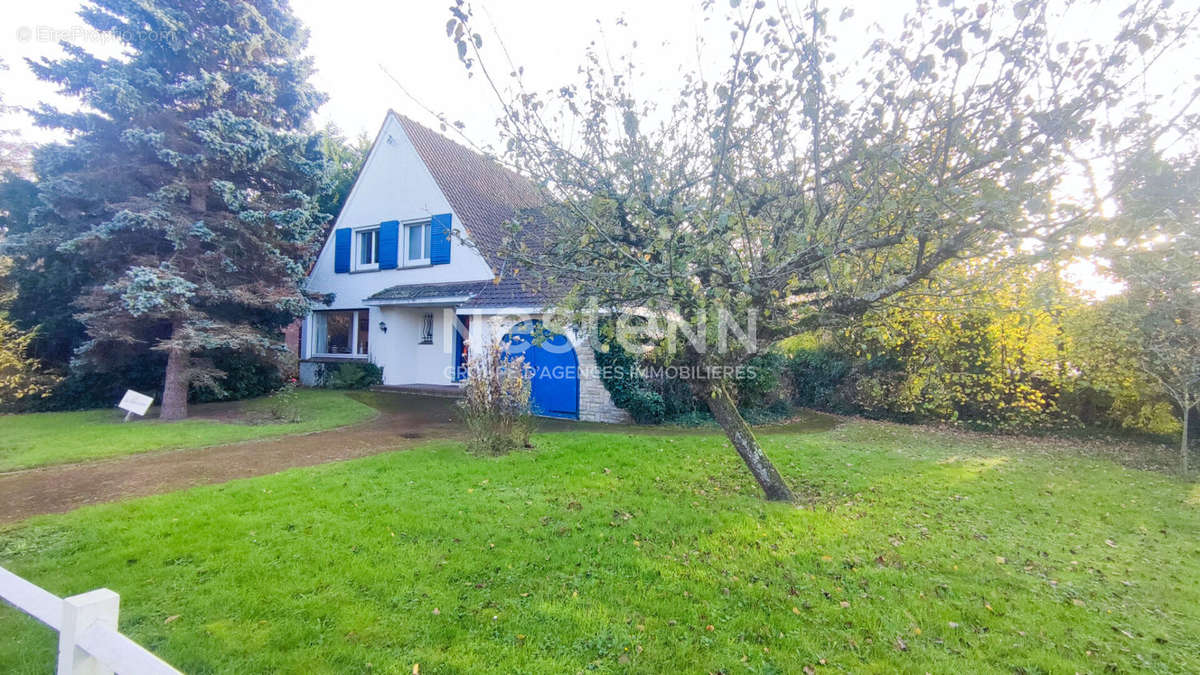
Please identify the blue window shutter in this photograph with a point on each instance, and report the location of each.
(439, 239)
(341, 250)
(389, 244)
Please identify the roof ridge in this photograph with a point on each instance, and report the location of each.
(492, 158)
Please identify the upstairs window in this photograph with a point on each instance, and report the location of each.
(417, 238)
(367, 242)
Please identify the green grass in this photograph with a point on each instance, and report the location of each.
(42, 439)
(914, 551)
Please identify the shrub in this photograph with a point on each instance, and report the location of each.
(629, 390)
(22, 380)
(81, 390)
(350, 376)
(694, 418)
(816, 377)
(496, 403)
(658, 400)
(247, 375)
(283, 406)
(760, 386)
(643, 405)
(774, 413)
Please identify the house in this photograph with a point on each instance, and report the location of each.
(415, 285)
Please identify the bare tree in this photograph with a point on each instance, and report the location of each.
(801, 192)
(1153, 245)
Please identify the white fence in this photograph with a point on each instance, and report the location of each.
(88, 641)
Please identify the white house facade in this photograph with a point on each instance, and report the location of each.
(413, 284)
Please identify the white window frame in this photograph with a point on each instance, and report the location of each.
(354, 320)
(356, 249)
(417, 262)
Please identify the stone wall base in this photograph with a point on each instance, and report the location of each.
(595, 403)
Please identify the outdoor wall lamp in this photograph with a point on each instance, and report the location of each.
(382, 327)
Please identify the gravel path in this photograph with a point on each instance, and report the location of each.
(402, 421)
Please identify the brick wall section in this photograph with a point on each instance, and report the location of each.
(595, 404)
(291, 336)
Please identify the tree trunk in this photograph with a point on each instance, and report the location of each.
(723, 408)
(175, 386)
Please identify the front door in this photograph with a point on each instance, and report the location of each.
(461, 348)
(553, 367)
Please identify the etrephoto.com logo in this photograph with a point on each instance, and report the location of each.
(79, 34)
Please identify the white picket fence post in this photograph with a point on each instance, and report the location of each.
(88, 641)
(80, 613)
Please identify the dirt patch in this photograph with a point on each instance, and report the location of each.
(401, 421)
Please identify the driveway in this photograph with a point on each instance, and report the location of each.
(403, 421)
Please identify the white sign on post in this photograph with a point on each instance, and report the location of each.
(134, 403)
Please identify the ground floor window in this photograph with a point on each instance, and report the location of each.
(341, 332)
(427, 328)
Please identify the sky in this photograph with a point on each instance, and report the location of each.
(372, 55)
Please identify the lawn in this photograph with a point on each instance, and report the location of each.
(42, 439)
(913, 551)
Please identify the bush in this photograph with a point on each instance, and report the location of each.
(677, 396)
(761, 385)
(629, 390)
(23, 383)
(643, 405)
(654, 401)
(774, 413)
(281, 407)
(350, 376)
(246, 376)
(816, 377)
(84, 390)
(495, 404)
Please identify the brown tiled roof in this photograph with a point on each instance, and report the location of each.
(483, 194)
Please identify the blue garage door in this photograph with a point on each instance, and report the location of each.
(553, 367)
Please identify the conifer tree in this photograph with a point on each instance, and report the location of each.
(182, 212)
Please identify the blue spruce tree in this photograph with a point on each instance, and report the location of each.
(182, 213)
